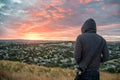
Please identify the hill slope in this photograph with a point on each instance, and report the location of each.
(20, 71)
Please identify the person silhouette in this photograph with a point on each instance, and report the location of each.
(90, 50)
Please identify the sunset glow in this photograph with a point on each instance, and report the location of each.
(57, 19)
(31, 36)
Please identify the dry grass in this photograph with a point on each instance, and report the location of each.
(110, 76)
(20, 71)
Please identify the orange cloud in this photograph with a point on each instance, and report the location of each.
(57, 2)
(38, 13)
(58, 12)
(88, 1)
(48, 13)
(45, 31)
(108, 26)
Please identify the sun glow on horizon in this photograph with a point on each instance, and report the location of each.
(32, 36)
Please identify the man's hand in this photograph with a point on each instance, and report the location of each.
(78, 69)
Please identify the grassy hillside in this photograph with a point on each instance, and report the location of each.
(20, 71)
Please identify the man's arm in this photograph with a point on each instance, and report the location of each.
(105, 53)
(77, 50)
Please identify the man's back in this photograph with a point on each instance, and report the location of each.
(89, 44)
(86, 45)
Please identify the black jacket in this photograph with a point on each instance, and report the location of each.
(86, 45)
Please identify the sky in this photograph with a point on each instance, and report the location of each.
(57, 19)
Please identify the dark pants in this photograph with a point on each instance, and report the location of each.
(88, 75)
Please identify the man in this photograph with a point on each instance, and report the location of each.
(90, 50)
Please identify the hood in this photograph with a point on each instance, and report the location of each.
(89, 26)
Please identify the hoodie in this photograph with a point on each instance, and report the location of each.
(88, 43)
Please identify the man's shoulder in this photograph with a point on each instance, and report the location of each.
(80, 36)
(102, 38)
(85, 35)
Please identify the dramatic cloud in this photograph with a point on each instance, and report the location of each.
(57, 19)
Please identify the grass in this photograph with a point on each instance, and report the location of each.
(20, 71)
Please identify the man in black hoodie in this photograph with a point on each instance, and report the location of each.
(90, 50)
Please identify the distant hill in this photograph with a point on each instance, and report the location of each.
(25, 41)
(20, 71)
(44, 41)
(114, 43)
